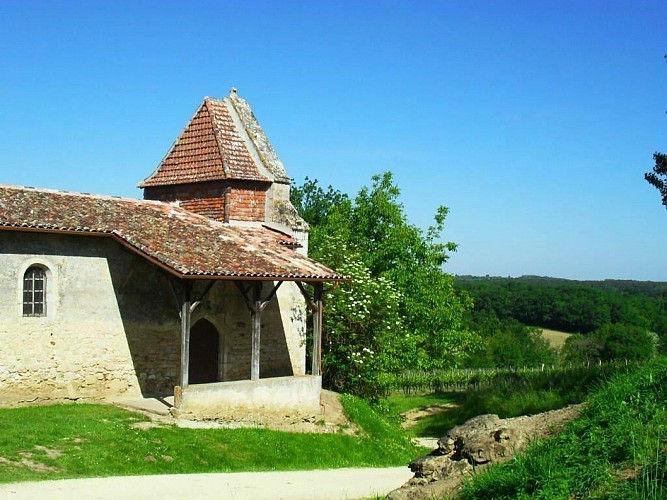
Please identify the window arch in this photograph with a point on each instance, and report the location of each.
(34, 291)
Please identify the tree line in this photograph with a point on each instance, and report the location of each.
(610, 320)
(568, 305)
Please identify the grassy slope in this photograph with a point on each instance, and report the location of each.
(433, 425)
(508, 395)
(95, 440)
(617, 449)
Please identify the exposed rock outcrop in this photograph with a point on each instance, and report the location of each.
(474, 445)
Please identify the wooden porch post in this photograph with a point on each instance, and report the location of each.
(317, 329)
(256, 320)
(256, 306)
(186, 315)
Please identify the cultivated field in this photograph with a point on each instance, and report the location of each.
(556, 339)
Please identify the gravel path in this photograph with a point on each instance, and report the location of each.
(295, 485)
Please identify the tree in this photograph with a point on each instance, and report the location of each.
(611, 342)
(658, 177)
(396, 271)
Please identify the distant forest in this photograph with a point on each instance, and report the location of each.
(568, 305)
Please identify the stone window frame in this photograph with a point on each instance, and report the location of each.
(50, 303)
(35, 286)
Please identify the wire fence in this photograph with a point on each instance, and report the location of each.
(543, 376)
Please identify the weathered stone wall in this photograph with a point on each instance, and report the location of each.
(112, 327)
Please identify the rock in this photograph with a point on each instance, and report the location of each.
(474, 445)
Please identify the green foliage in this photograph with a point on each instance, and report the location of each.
(570, 306)
(658, 177)
(400, 305)
(509, 343)
(611, 342)
(315, 204)
(364, 334)
(620, 435)
(506, 393)
(78, 440)
(565, 377)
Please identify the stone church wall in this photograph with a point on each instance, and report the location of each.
(112, 326)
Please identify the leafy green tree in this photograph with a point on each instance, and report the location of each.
(509, 343)
(315, 204)
(658, 177)
(372, 230)
(625, 342)
(611, 342)
(364, 334)
(580, 348)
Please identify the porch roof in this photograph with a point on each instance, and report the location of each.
(184, 243)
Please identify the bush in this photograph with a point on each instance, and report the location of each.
(611, 342)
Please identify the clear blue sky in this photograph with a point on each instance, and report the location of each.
(533, 121)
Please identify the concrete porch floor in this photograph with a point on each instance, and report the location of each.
(156, 405)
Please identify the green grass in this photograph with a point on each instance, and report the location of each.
(430, 426)
(506, 404)
(400, 403)
(79, 440)
(508, 394)
(616, 449)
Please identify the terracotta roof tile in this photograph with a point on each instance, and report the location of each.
(211, 147)
(188, 244)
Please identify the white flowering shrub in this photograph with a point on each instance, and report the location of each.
(364, 332)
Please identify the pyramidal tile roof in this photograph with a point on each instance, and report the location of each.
(184, 243)
(222, 141)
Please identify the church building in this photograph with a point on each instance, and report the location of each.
(199, 291)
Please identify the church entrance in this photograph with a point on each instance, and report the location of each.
(204, 349)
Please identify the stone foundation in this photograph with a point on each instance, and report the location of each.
(251, 401)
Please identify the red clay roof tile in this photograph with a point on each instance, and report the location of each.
(210, 148)
(187, 244)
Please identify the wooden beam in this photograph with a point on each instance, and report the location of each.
(306, 296)
(256, 320)
(270, 296)
(197, 302)
(186, 315)
(317, 330)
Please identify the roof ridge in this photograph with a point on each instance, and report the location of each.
(171, 148)
(245, 135)
(225, 163)
(258, 138)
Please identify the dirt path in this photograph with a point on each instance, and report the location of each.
(412, 417)
(293, 485)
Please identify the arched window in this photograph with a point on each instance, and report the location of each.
(34, 292)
